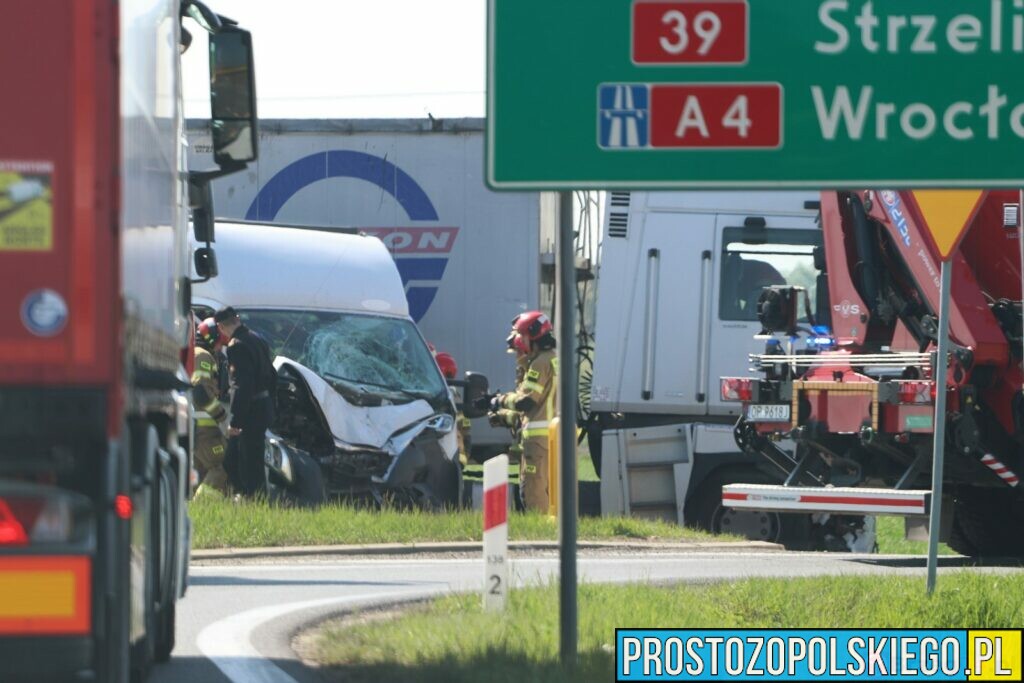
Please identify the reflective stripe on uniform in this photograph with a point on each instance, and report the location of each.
(536, 428)
(532, 386)
(201, 374)
(206, 422)
(211, 406)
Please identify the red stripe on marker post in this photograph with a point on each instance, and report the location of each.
(495, 506)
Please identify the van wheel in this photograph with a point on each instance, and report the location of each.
(705, 511)
(308, 488)
(444, 484)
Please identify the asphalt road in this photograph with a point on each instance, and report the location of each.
(237, 621)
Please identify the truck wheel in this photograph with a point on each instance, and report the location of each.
(165, 616)
(705, 511)
(166, 624)
(980, 524)
(146, 452)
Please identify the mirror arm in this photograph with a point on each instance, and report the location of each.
(214, 21)
(200, 177)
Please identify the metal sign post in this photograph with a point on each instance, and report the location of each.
(565, 265)
(939, 446)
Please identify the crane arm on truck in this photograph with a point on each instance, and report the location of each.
(862, 413)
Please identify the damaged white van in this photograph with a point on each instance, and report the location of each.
(362, 409)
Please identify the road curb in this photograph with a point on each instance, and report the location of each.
(473, 547)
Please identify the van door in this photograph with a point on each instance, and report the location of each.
(748, 257)
(670, 277)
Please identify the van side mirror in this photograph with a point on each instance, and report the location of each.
(206, 263)
(476, 388)
(232, 96)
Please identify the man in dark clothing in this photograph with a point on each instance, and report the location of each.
(253, 381)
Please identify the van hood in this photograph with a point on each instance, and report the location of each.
(358, 426)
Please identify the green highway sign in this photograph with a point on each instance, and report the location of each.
(755, 93)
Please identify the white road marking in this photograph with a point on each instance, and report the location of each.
(227, 643)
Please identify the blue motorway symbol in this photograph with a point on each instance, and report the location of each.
(624, 116)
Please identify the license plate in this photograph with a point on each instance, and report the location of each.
(768, 413)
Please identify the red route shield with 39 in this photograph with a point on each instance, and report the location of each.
(743, 115)
(690, 32)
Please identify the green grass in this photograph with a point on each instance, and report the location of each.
(453, 640)
(892, 542)
(219, 523)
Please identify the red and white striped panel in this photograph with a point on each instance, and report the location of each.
(996, 465)
(848, 500)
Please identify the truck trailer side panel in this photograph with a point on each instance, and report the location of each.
(58, 197)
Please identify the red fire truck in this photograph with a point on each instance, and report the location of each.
(94, 329)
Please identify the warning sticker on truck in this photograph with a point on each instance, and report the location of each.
(26, 205)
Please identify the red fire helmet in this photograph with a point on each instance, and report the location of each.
(447, 364)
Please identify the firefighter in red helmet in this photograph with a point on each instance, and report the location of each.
(450, 370)
(211, 415)
(529, 409)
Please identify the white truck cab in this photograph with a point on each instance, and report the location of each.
(359, 390)
(680, 276)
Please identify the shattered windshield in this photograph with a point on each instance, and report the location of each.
(374, 354)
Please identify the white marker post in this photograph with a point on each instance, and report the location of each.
(496, 533)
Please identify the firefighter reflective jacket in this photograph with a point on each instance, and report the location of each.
(534, 397)
(206, 390)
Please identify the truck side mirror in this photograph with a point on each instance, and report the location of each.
(206, 263)
(476, 388)
(232, 96)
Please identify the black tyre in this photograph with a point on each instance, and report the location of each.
(705, 511)
(147, 452)
(166, 550)
(986, 524)
(166, 624)
(307, 489)
(444, 484)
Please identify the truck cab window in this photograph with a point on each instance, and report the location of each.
(777, 257)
